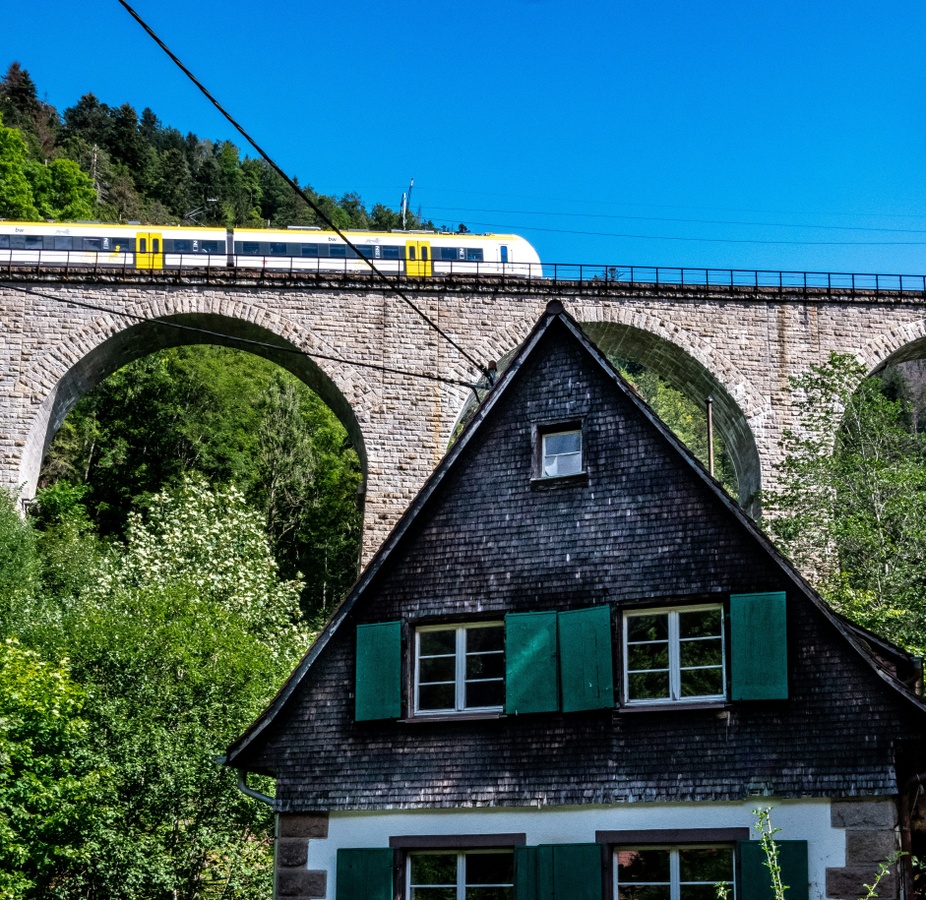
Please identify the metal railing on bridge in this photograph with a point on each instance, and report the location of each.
(578, 276)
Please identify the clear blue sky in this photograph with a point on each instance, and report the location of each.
(787, 135)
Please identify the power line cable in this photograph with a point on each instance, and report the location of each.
(248, 342)
(291, 182)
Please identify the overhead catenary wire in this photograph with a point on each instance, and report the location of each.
(245, 342)
(291, 182)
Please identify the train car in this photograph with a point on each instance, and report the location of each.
(416, 254)
(150, 247)
(125, 246)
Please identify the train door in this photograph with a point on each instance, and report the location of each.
(417, 258)
(149, 250)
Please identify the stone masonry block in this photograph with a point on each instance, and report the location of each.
(849, 883)
(310, 825)
(301, 884)
(292, 852)
(869, 846)
(852, 813)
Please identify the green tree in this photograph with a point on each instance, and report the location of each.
(16, 200)
(177, 642)
(51, 788)
(61, 190)
(851, 509)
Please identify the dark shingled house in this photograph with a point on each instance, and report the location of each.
(573, 672)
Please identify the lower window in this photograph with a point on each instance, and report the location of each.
(465, 875)
(674, 873)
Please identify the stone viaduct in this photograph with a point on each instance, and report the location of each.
(351, 340)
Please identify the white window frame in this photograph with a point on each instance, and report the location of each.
(551, 457)
(461, 855)
(675, 668)
(674, 865)
(460, 679)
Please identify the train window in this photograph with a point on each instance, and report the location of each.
(474, 254)
(504, 253)
(424, 253)
(210, 247)
(367, 251)
(251, 248)
(97, 244)
(446, 253)
(155, 245)
(179, 246)
(278, 249)
(124, 244)
(411, 252)
(4, 242)
(34, 242)
(310, 249)
(62, 243)
(392, 252)
(337, 250)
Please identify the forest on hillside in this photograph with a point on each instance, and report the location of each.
(198, 518)
(111, 164)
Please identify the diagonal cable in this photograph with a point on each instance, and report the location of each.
(312, 205)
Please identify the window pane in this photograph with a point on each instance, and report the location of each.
(392, 252)
(485, 665)
(564, 442)
(278, 249)
(706, 864)
(491, 638)
(437, 668)
(702, 682)
(474, 254)
(484, 693)
(641, 657)
(648, 628)
(490, 893)
(702, 652)
(434, 869)
(338, 250)
(426, 893)
(489, 868)
(309, 250)
(648, 685)
(643, 866)
(701, 891)
(701, 623)
(437, 642)
(436, 696)
(641, 892)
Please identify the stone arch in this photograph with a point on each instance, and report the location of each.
(62, 376)
(695, 368)
(903, 344)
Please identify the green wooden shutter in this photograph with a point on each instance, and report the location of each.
(558, 872)
(759, 646)
(531, 680)
(379, 671)
(755, 879)
(365, 874)
(585, 656)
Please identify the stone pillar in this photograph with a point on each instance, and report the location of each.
(293, 879)
(871, 837)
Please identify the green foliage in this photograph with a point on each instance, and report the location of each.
(16, 200)
(236, 419)
(50, 788)
(687, 420)
(176, 640)
(851, 510)
(19, 563)
(61, 191)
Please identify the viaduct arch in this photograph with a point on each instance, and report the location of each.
(737, 344)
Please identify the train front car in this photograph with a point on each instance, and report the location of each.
(66, 244)
(415, 254)
(88, 245)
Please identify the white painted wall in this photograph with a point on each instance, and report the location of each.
(807, 820)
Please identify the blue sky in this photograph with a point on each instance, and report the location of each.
(788, 135)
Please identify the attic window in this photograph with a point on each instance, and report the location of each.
(559, 453)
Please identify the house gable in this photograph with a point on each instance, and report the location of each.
(639, 527)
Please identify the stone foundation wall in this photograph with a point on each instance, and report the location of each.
(293, 879)
(871, 837)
